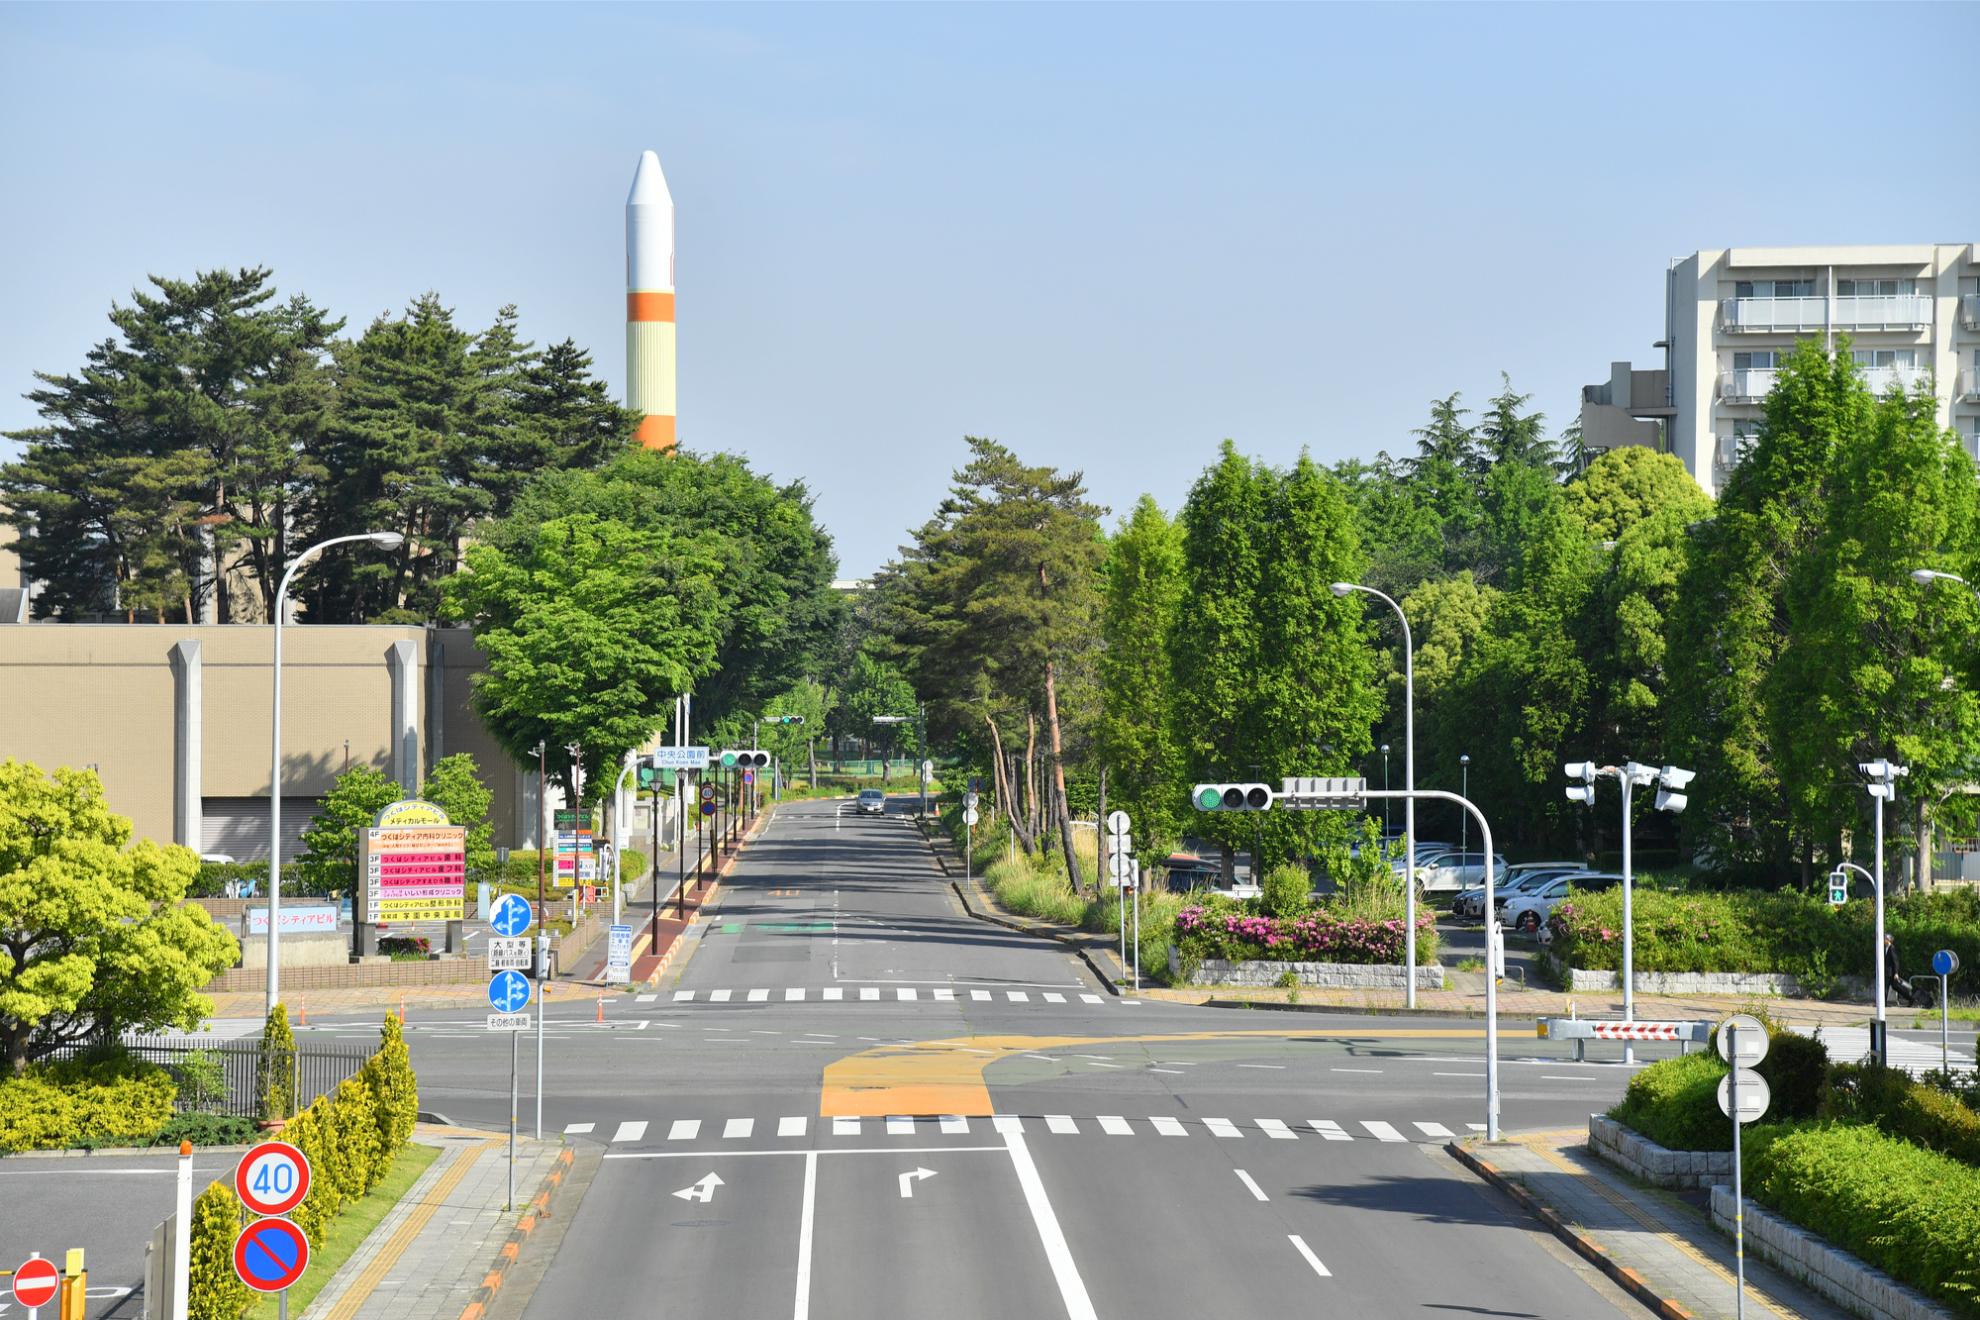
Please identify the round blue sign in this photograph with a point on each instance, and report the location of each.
(508, 992)
(270, 1254)
(1945, 962)
(511, 915)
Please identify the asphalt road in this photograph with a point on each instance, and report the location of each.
(853, 1099)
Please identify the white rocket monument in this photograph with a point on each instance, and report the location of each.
(650, 304)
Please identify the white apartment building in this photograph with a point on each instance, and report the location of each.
(1910, 314)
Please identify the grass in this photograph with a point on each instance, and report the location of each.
(349, 1230)
(1955, 1012)
(1471, 965)
(1021, 888)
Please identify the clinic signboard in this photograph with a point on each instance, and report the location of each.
(412, 864)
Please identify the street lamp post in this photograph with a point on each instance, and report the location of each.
(1385, 786)
(1464, 791)
(1409, 785)
(1883, 777)
(384, 541)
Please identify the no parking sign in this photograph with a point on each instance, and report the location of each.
(270, 1254)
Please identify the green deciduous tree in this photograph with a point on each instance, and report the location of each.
(1135, 739)
(330, 841)
(454, 785)
(93, 937)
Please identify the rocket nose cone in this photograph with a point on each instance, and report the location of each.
(649, 186)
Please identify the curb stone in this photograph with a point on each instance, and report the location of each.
(539, 1210)
(1584, 1246)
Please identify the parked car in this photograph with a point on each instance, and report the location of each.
(1528, 912)
(872, 802)
(1453, 871)
(1522, 878)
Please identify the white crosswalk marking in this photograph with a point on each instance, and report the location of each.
(949, 995)
(1053, 998)
(900, 1125)
(630, 1131)
(1329, 1129)
(1115, 1126)
(644, 999)
(904, 993)
(835, 992)
(1017, 996)
(869, 992)
(1382, 1131)
(683, 996)
(1091, 999)
(794, 995)
(791, 1125)
(954, 1123)
(758, 996)
(1222, 1127)
(1276, 1129)
(719, 996)
(957, 1125)
(845, 1127)
(577, 1129)
(1169, 1126)
(737, 1128)
(1435, 1130)
(1006, 1123)
(1061, 1124)
(1476, 1127)
(684, 1129)
(980, 996)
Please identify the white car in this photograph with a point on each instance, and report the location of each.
(872, 802)
(1518, 879)
(1528, 912)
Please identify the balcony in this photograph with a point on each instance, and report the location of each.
(1880, 379)
(1905, 311)
(1774, 315)
(1969, 385)
(1969, 311)
(1747, 384)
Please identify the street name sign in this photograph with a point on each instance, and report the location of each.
(272, 1178)
(511, 915)
(508, 1022)
(618, 953)
(680, 758)
(508, 992)
(270, 1254)
(508, 953)
(36, 1282)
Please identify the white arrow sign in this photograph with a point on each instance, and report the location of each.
(911, 1177)
(703, 1191)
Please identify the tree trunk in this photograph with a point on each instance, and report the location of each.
(811, 756)
(1006, 784)
(1059, 778)
(1922, 832)
(1100, 818)
(1031, 776)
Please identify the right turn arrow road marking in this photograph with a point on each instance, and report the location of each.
(911, 1177)
(703, 1191)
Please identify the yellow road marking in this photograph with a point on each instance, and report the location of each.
(946, 1076)
(402, 1237)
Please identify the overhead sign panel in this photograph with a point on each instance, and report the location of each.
(680, 758)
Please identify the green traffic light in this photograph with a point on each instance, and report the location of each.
(1209, 798)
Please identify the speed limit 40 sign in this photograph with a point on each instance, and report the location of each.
(272, 1179)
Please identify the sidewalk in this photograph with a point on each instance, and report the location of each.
(1657, 1245)
(445, 1250)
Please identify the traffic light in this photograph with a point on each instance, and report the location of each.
(1232, 797)
(734, 758)
(1583, 792)
(1322, 794)
(1838, 887)
(784, 719)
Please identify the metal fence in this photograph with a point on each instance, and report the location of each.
(219, 1076)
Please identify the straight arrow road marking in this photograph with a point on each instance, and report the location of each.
(703, 1191)
(1311, 1259)
(911, 1177)
(1243, 1177)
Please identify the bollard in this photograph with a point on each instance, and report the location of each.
(305, 1011)
(601, 1010)
(402, 1008)
(1580, 1045)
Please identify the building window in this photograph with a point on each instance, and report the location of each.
(1885, 357)
(1875, 288)
(1764, 359)
(1775, 289)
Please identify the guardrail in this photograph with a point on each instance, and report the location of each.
(1582, 1030)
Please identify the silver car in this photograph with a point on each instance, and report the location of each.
(872, 802)
(1513, 880)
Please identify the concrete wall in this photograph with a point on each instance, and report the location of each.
(175, 715)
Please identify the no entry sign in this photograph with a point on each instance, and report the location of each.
(36, 1282)
(270, 1254)
(272, 1179)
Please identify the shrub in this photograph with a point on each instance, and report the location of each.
(1675, 1103)
(215, 1292)
(360, 1138)
(206, 1130)
(1911, 1212)
(76, 1103)
(1287, 891)
(202, 1080)
(1212, 926)
(1890, 1099)
(277, 1083)
(397, 1085)
(405, 948)
(1797, 1071)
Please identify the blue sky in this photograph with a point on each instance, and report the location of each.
(1107, 235)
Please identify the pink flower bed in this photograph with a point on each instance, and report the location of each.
(1320, 936)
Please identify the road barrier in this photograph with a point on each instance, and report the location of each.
(1583, 1030)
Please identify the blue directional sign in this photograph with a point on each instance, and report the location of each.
(508, 992)
(1945, 962)
(511, 915)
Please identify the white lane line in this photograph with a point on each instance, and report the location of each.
(1176, 1071)
(1550, 1077)
(980, 996)
(795, 995)
(719, 996)
(1007, 1123)
(791, 1125)
(684, 1129)
(682, 996)
(869, 992)
(952, 1123)
(947, 995)
(1450, 1074)
(1042, 1058)
(845, 1126)
(1382, 1131)
(835, 992)
(1476, 1127)
(1072, 1289)
(1168, 1126)
(644, 999)
(1376, 1071)
(1103, 1065)
(1115, 1126)
(1311, 1259)
(905, 994)
(1093, 1056)
(574, 1129)
(802, 1309)
(1279, 1066)
(1091, 999)
(758, 996)
(738, 1127)
(631, 1130)
(1052, 998)
(1017, 996)
(1252, 1186)
(1222, 1127)
(1061, 1124)
(1434, 1130)
(1275, 1129)
(900, 1125)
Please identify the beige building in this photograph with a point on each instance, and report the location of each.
(1910, 315)
(176, 720)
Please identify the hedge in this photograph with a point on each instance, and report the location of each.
(1675, 1102)
(1911, 1212)
(1889, 1098)
(350, 1137)
(1216, 926)
(1744, 931)
(113, 1102)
